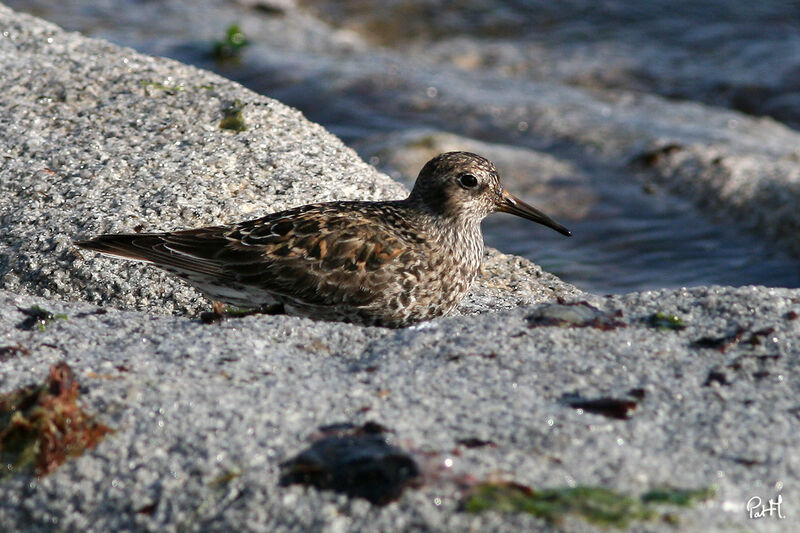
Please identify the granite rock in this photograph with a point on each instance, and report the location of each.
(99, 138)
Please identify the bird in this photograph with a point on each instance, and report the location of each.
(373, 263)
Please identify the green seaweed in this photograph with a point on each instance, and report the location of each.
(598, 505)
(664, 322)
(169, 89)
(230, 48)
(679, 497)
(237, 311)
(39, 318)
(232, 118)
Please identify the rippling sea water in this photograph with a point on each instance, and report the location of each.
(402, 80)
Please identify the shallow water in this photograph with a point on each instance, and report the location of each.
(367, 70)
(630, 240)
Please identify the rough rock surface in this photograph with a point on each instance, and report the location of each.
(205, 414)
(98, 138)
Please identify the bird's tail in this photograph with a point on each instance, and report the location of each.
(180, 252)
(133, 246)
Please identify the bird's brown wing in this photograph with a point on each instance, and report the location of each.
(324, 254)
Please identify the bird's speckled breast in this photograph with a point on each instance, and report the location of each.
(443, 272)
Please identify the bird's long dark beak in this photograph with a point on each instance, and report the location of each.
(508, 203)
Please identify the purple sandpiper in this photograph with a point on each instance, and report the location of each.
(390, 263)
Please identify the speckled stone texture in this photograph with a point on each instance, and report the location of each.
(98, 138)
(194, 403)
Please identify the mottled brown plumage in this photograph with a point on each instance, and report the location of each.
(388, 263)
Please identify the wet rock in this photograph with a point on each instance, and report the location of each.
(356, 461)
(619, 408)
(577, 315)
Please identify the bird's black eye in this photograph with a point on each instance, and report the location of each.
(468, 181)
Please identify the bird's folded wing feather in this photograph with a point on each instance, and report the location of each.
(312, 254)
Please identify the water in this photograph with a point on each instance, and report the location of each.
(368, 70)
(632, 240)
(738, 53)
